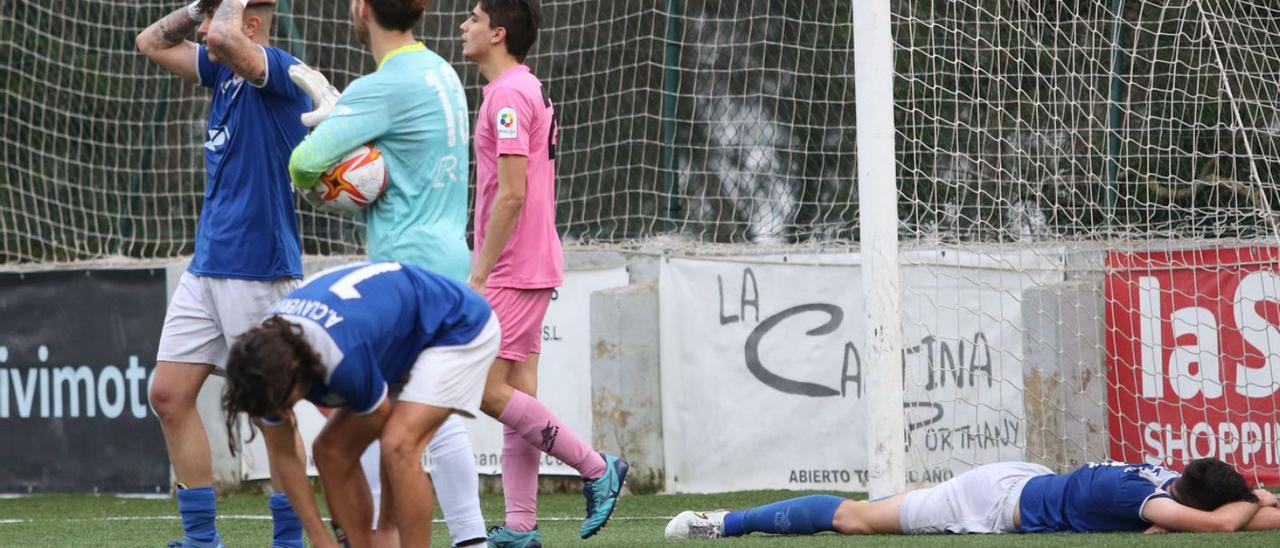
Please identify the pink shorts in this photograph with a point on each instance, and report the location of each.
(520, 313)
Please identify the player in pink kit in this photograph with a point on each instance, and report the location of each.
(519, 263)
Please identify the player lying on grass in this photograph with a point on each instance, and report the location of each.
(397, 349)
(1019, 497)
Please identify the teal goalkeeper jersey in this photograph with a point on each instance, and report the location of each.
(414, 110)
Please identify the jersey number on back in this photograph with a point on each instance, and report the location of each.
(345, 287)
(552, 138)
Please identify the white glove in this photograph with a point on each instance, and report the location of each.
(322, 93)
(193, 11)
(310, 196)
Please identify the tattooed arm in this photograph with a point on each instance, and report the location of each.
(165, 41)
(233, 47)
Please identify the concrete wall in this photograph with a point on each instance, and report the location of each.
(1064, 373)
(644, 269)
(626, 400)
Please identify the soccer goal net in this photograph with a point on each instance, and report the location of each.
(1110, 169)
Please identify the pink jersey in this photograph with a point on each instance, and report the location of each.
(517, 119)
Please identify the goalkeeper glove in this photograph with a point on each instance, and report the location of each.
(312, 196)
(198, 8)
(322, 93)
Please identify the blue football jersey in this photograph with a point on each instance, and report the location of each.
(247, 228)
(1098, 497)
(369, 321)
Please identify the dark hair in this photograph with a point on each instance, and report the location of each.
(521, 18)
(1209, 483)
(397, 14)
(261, 372)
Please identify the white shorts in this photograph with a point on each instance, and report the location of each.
(453, 377)
(207, 314)
(981, 500)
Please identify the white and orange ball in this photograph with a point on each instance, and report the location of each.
(353, 183)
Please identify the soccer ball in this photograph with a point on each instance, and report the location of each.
(354, 182)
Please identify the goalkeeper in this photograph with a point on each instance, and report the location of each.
(414, 108)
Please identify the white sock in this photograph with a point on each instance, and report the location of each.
(457, 484)
(371, 462)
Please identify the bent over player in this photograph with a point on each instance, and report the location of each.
(1019, 497)
(247, 249)
(398, 349)
(414, 108)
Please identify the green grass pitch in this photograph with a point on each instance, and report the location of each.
(110, 521)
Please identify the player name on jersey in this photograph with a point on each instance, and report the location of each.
(309, 309)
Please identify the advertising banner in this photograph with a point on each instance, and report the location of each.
(1193, 355)
(77, 350)
(762, 370)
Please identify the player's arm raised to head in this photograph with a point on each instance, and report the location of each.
(1173, 516)
(360, 116)
(285, 456)
(236, 50)
(165, 42)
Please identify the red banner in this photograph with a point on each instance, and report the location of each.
(1193, 355)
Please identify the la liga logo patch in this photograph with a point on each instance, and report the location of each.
(508, 123)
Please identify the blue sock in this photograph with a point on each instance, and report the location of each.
(798, 516)
(288, 528)
(199, 514)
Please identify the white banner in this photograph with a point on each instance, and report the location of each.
(564, 379)
(762, 376)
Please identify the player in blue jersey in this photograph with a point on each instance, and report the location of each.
(398, 349)
(1019, 497)
(415, 109)
(247, 249)
(369, 330)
